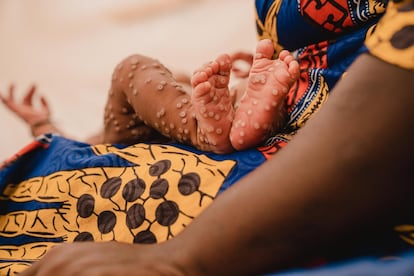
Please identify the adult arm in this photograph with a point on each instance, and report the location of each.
(347, 172)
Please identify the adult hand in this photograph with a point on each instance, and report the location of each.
(103, 258)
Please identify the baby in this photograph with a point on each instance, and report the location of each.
(145, 100)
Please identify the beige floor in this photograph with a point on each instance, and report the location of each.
(69, 48)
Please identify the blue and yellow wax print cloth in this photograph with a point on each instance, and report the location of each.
(57, 190)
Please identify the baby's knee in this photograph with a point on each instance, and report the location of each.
(133, 62)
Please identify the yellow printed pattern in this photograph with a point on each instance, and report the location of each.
(269, 27)
(150, 202)
(393, 38)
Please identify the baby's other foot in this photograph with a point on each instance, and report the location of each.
(261, 111)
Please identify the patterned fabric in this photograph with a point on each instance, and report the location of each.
(393, 39)
(326, 36)
(57, 190)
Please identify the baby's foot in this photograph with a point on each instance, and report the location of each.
(213, 107)
(261, 110)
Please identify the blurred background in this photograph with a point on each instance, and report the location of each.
(69, 49)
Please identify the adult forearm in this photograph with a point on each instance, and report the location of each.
(347, 170)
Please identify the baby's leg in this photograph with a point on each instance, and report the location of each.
(213, 105)
(261, 110)
(146, 101)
